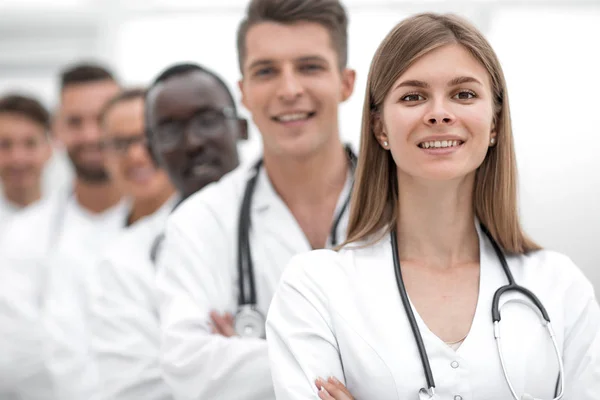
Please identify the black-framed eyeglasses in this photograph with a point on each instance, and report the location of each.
(169, 134)
(121, 145)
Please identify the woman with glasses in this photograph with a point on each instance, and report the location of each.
(128, 159)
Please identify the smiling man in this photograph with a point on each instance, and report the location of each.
(192, 130)
(61, 237)
(128, 158)
(292, 57)
(24, 150)
(85, 217)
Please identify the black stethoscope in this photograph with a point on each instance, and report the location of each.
(249, 321)
(512, 286)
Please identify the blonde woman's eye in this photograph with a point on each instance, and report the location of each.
(413, 97)
(465, 95)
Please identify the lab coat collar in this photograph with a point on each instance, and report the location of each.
(9, 206)
(490, 270)
(266, 196)
(267, 203)
(171, 203)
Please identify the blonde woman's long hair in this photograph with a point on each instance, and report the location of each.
(374, 203)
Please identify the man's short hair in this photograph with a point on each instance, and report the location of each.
(121, 97)
(84, 73)
(182, 69)
(328, 13)
(185, 68)
(27, 107)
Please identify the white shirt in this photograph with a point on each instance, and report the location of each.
(59, 223)
(23, 373)
(7, 211)
(340, 314)
(123, 319)
(198, 273)
(72, 285)
(59, 241)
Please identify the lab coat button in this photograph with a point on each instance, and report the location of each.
(457, 397)
(454, 365)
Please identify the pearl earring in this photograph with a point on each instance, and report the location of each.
(493, 141)
(385, 143)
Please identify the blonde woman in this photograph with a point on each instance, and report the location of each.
(404, 309)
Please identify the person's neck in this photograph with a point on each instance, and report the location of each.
(23, 198)
(310, 179)
(144, 207)
(97, 198)
(436, 223)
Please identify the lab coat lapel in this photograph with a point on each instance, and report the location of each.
(528, 353)
(378, 323)
(272, 219)
(480, 349)
(54, 216)
(273, 215)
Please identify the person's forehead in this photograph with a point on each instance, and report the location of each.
(275, 41)
(126, 116)
(196, 88)
(88, 97)
(446, 62)
(15, 123)
(129, 108)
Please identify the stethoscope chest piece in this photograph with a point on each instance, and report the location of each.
(249, 322)
(425, 394)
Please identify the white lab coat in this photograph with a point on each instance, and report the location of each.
(58, 242)
(60, 224)
(65, 302)
(23, 372)
(123, 319)
(340, 314)
(197, 273)
(72, 278)
(7, 211)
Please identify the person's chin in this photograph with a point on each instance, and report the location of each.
(444, 175)
(298, 146)
(196, 182)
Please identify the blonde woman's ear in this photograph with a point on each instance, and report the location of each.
(378, 131)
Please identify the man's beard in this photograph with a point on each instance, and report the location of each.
(87, 173)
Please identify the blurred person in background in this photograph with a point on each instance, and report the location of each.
(70, 228)
(292, 56)
(24, 151)
(186, 131)
(85, 217)
(23, 372)
(71, 277)
(129, 163)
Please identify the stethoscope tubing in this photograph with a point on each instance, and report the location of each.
(496, 318)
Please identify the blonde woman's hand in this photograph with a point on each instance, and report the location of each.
(332, 389)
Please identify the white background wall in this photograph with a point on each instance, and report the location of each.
(549, 51)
